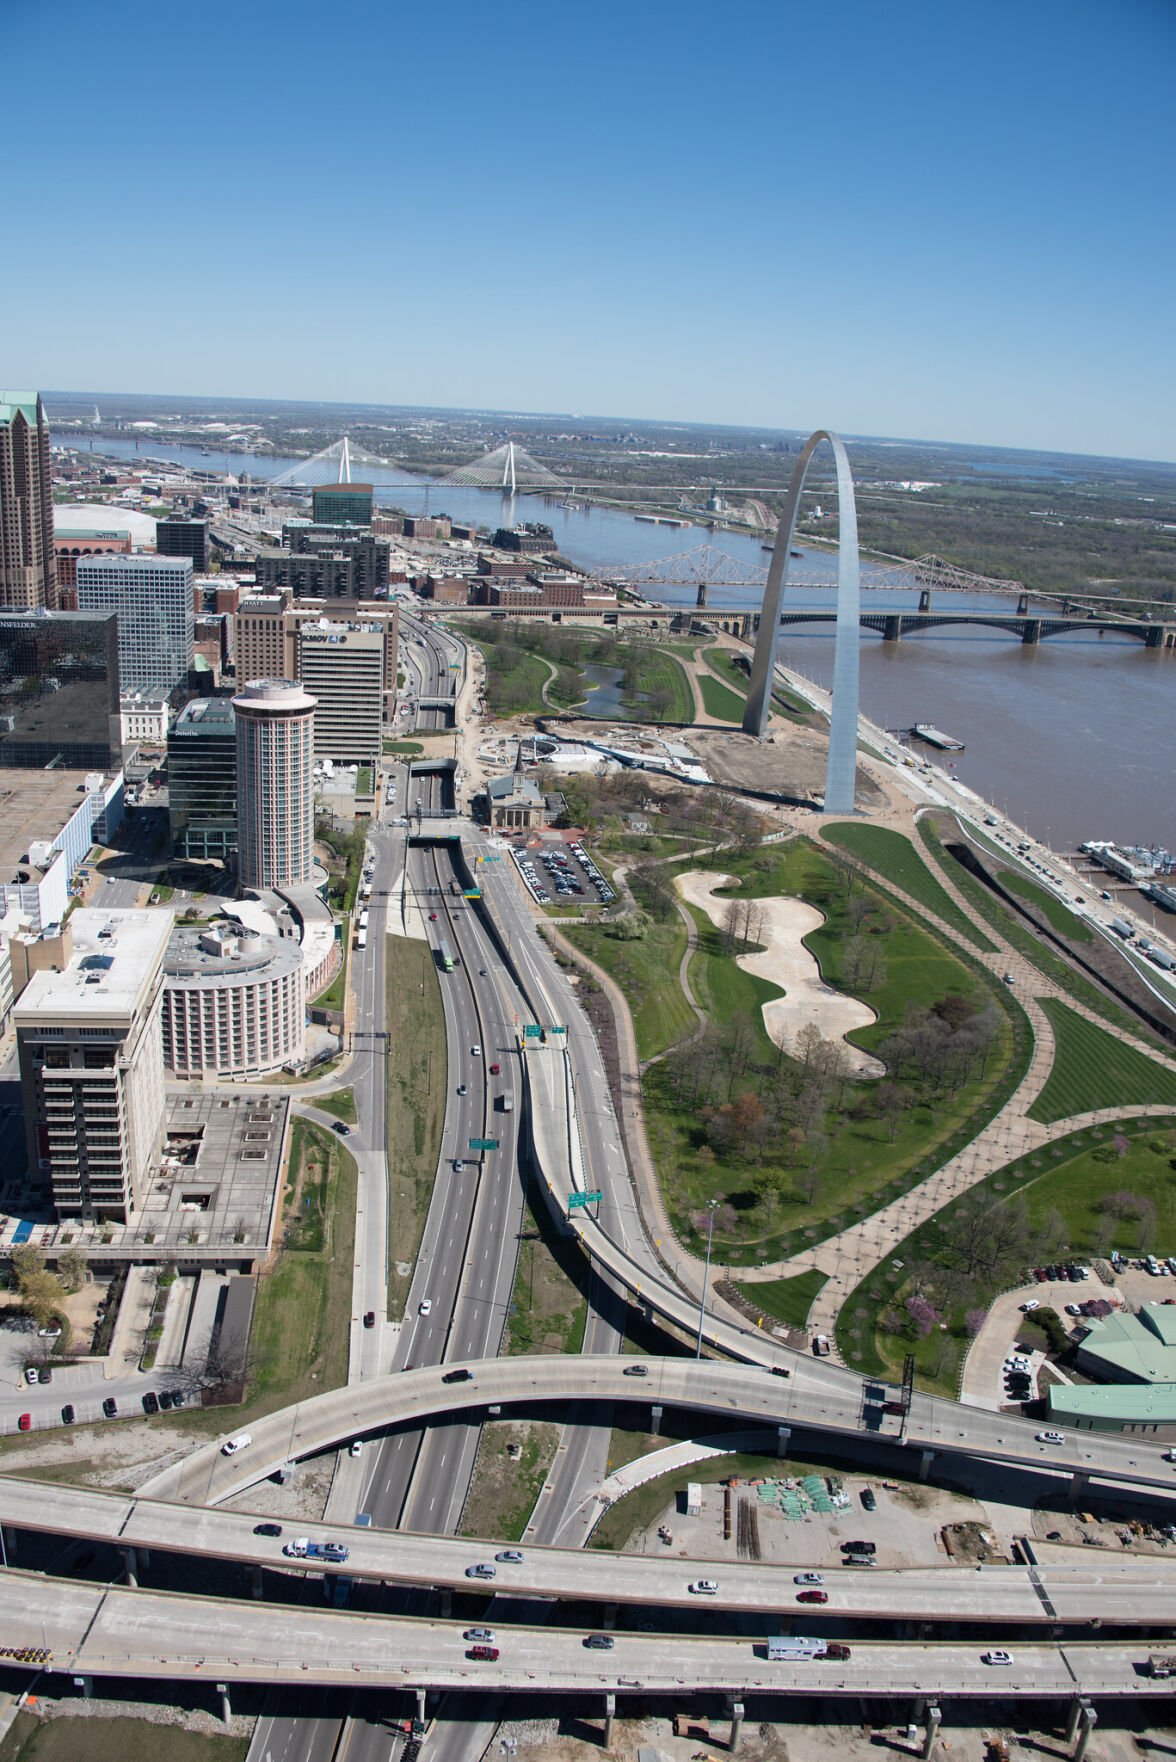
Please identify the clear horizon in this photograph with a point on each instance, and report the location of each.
(902, 221)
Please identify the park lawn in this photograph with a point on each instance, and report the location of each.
(403, 746)
(646, 970)
(416, 1093)
(654, 671)
(895, 858)
(1015, 931)
(719, 700)
(1063, 920)
(786, 1300)
(341, 1104)
(769, 1212)
(785, 703)
(1092, 1069)
(1068, 1178)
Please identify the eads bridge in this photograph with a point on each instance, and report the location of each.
(1031, 627)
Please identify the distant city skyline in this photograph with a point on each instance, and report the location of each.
(907, 221)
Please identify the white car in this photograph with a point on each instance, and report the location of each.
(1169, 1456)
(704, 1587)
(476, 1051)
(1050, 1437)
(996, 1657)
(1031, 1304)
(356, 1448)
(808, 1578)
(424, 1306)
(231, 1446)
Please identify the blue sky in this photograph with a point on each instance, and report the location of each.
(924, 218)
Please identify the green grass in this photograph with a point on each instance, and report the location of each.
(895, 858)
(403, 746)
(1062, 919)
(363, 780)
(32, 1739)
(332, 995)
(1065, 1179)
(647, 973)
(341, 1104)
(665, 693)
(787, 1300)
(786, 703)
(1093, 1070)
(719, 700)
(415, 1023)
(1047, 960)
(638, 1509)
(780, 1194)
(548, 1313)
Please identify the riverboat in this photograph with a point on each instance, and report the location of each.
(935, 737)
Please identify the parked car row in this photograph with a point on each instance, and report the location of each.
(152, 1402)
(1053, 1273)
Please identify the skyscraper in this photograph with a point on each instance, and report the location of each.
(202, 779)
(28, 564)
(275, 784)
(59, 691)
(156, 621)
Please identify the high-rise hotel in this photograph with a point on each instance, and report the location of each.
(28, 564)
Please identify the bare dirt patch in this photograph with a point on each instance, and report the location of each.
(512, 1465)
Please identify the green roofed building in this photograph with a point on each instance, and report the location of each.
(1134, 1359)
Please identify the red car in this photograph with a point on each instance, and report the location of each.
(432, 917)
(494, 1070)
(369, 1320)
(813, 1597)
(25, 1422)
(484, 1654)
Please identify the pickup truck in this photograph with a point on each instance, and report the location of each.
(302, 1548)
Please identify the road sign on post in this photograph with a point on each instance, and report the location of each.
(532, 1031)
(577, 1201)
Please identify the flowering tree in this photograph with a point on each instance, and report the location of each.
(924, 1315)
(974, 1320)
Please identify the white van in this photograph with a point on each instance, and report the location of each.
(231, 1446)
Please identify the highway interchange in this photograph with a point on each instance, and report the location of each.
(414, 1475)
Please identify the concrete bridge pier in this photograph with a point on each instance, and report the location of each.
(1023, 606)
(783, 1438)
(8, 1544)
(655, 1419)
(701, 600)
(130, 1568)
(1087, 1720)
(926, 1458)
(446, 1596)
(735, 1708)
(1079, 1481)
(610, 1713)
(86, 1685)
(422, 1696)
(222, 1689)
(925, 599)
(934, 1721)
(256, 1588)
(892, 629)
(1031, 632)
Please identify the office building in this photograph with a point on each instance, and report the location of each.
(342, 666)
(371, 555)
(202, 780)
(179, 537)
(49, 822)
(234, 1003)
(28, 563)
(89, 1039)
(342, 504)
(152, 599)
(275, 784)
(341, 569)
(144, 718)
(59, 691)
(267, 641)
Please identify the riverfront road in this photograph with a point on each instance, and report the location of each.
(1118, 1590)
(96, 1630)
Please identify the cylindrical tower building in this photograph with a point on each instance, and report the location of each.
(275, 784)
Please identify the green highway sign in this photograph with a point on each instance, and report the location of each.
(532, 1031)
(555, 1030)
(577, 1201)
(483, 1143)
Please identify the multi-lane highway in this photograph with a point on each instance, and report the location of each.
(99, 1630)
(1114, 1590)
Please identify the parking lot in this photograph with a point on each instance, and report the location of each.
(565, 875)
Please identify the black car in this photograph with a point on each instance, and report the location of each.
(454, 1376)
(165, 1399)
(869, 1502)
(151, 1402)
(343, 1131)
(267, 1529)
(859, 1547)
(178, 1397)
(68, 1415)
(110, 1407)
(599, 1642)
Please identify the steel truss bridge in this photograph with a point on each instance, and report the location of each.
(708, 565)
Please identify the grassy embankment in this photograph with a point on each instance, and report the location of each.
(784, 703)
(656, 686)
(1014, 930)
(787, 1300)
(1092, 1069)
(404, 748)
(415, 1024)
(341, 1104)
(801, 1171)
(720, 701)
(34, 1739)
(1099, 1189)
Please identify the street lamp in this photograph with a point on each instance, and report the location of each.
(711, 1208)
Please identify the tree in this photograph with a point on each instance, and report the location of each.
(42, 1296)
(923, 1313)
(73, 1268)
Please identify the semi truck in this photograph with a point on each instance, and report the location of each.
(786, 1648)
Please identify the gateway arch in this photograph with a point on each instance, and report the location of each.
(842, 768)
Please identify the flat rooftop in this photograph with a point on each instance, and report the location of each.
(34, 806)
(114, 955)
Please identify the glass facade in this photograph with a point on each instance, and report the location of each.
(342, 504)
(202, 780)
(152, 597)
(59, 691)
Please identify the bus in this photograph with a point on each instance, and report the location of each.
(445, 956)
(361, 937)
